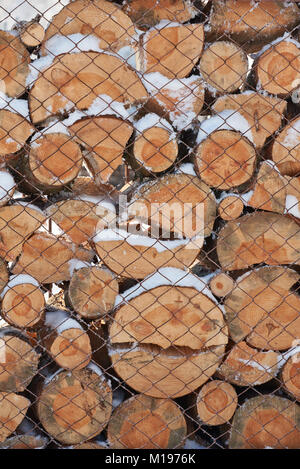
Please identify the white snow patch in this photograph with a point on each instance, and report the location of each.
(74, 43)
(283, 357)
(19, 280)
(36, 67)
(153, 120)
(292, 137)
(18, 106)
(7, 183)
(292, 206)
(60, 321)
(76, 264)
(186, 168)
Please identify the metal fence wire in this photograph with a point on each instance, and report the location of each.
(149, 224)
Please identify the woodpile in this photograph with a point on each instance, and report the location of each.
(150, 226)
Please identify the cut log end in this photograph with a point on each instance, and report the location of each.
(71, 349)
(32, 35)
(23, 305)
(221, 284)
(14, 61)
(216, 403)
(13, 408)
(291, 376)
(230, 207)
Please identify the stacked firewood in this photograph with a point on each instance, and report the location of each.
(129, 321)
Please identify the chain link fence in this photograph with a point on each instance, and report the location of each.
(149, 224)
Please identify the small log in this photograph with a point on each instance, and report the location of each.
(290, 376)
(178, 203)
(246, 366)
(25, 442)
(172, 51)
(182, 317)
(147, 13)
(216, 403)
(179, 101)
(14, 60)
(92, 292)
(263, 310)
(221, 285)
(266, 422)
(230, 207)
(80, 219)
(33, 34)
(76, 80)
(105, 139)
(17, 223)
(277, 69)
(4, 275)
(258, 237)
(269, 192)
(47, 258)
(65, 340)
(155, 147)
(224, 66)
(136, 256)
(263, 113)
(99, 18)
(23, 302)
(15, 130)
(54, 160)
(286, 149)
(169, 373)
(13, 408)
(225, 159)
(143, 422)
(251, 25)
(19, 361)
(75, 406)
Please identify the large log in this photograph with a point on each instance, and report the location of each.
(171, 50)
(266, 422)
(178, 203)
(216, 403)
(49, 259)
(76, 80)
(75, 406)
(251, 25)
(92, 292)
(286, 149)
(19, 361)
(263, 309)
(105, 139)
(147, 13)
(99, 18)
(258, 237)
(14, 60)
(277, 69)
(143, 422)
(13, 408)
(263, 113)
(224, 66)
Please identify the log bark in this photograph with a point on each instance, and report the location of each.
(182, 317)
(172, 202)
(263, 310)
(290, 376)
(105, 139)
(216, 403)
(246, 366)
(13, 408)
(224, 66)
(172, 51)
(25, 442)
(92, 292)
(132, 256)
(169, 373)
(14, 60)
(4, 275)
(46, 258)
(54, 161)
(32, 35)
(99, 18)
(263, 113)
(15, 130)
(17, 223)
(230, 208)
(19, 361)
(251, 25)
(277, 69)
(258, 237)
(23, 303)
(286, 149)
(75, 407)
(148, 13)
(76, 80)
(264, 422)
(65, 340)
(221, 284)
(143, 422)
(225, 159)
